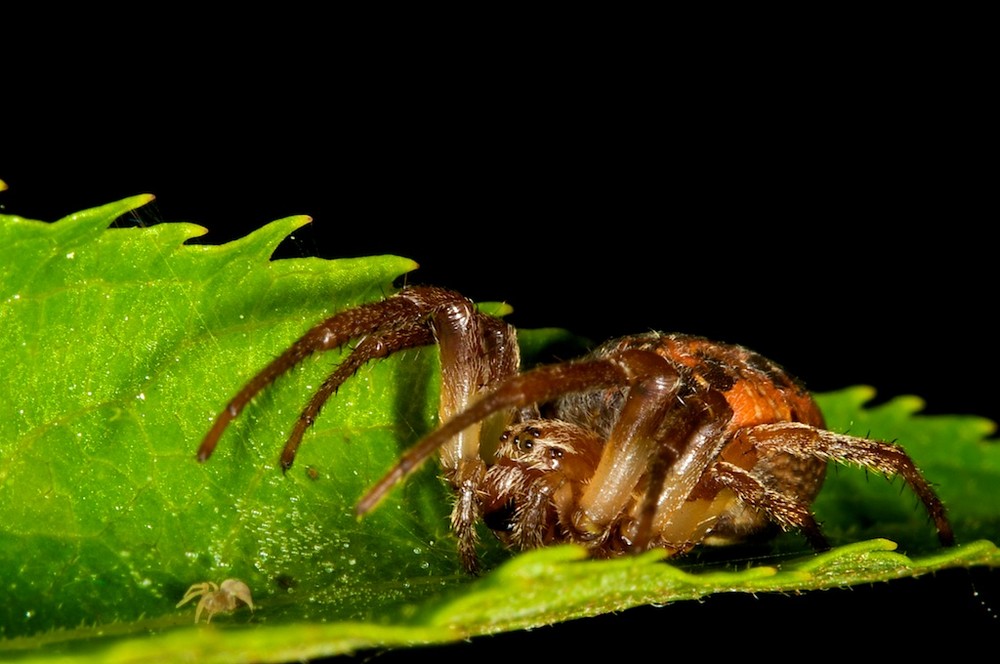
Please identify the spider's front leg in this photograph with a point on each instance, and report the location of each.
(387, 326)
(477, 351)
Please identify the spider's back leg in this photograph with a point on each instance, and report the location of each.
(802, 441)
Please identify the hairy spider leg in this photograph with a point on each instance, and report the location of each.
(477, 352)
(789, 514)
(377, 345)
(687, 445)
(332, 333)
(464, 337)
(408, 319)
(888, 459)
(632, 444)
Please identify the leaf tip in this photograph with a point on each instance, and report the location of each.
(865, 393)
(131, 203)
(297, 221)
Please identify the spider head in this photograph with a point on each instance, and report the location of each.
(548, 446)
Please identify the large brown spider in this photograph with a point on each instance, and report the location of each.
(654, 440)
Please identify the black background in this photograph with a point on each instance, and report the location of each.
(838, 223)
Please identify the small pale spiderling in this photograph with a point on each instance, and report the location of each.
(217, 598)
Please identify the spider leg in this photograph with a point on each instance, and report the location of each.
(477, 352)
(632, 444)
(686, 445)
(529, 522)
(201, 607)
(331, 333)
(197, 590)
(374, 346)
(885, 458)
(788, 513)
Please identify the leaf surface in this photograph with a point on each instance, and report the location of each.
(121, 344)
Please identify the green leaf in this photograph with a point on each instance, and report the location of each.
(121, 344)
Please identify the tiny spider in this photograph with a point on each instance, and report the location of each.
(653, 440)
(217, 598)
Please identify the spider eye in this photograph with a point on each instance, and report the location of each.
(524, 444)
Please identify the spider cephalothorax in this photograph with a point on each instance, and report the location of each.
(654, 440)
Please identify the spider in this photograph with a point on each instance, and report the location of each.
(654, 440)
(217, 598)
